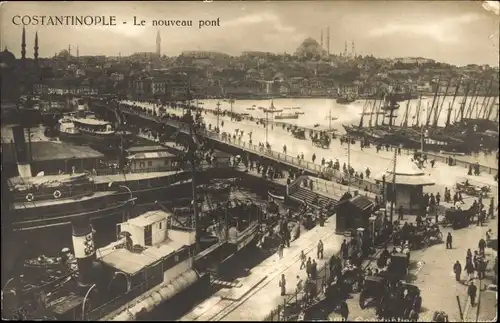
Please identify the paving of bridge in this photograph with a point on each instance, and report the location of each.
(444, 175)
(254, 150)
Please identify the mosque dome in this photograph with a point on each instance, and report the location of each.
(7, 59)
(310, 46)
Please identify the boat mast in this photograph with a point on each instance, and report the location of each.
(362, 114)
(436, 116)
(450, 108)
(378, 111)
(417, 113)
(485, 103)
(404, 122)
(429, 113)
(372, 112)
(473, 100)
(490, 110)
(463, 103)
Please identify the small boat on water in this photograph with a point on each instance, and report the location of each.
(282, 116)
(250, 109)
(299, 113)
(345, 100)
(273, 110)
(334, 118)
(452, 153)
(296, 108)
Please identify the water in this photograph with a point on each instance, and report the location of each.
(318, 111)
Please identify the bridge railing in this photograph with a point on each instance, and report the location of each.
(362, 184)
(409, 152)
(336, 188)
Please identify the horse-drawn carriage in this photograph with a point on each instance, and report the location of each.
(299, 133)
(373, 290)
(473, 190)
(425, 235)
(399, 301)
(458, 218)
(321, 142)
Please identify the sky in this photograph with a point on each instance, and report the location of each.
(456, 32)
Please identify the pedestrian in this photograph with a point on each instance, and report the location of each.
(344, 250)
(282, 285)
(482, 246)
(449, 240)
(280, 250)
(469, 268)
(319, 253)
(400, 215)
(313, 158)
(481, 269)
(302, 260)
(457, 269)
(299, 284)
(438, 198)
(344, 310)
(471, 292)
(314, 270)
(308, 267)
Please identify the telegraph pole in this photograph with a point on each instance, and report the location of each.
(218, 113)
(231, 101)
(349, 162)
(330, 120)
(393, 199)
(267, 124)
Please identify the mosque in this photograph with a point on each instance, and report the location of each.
(18, 76)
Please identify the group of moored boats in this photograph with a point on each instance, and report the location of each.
(462, 135)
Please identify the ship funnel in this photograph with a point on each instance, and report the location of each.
(21, 152)
(84, 248)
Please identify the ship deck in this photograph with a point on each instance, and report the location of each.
(51, 202)
(124, 177)
(258, 293)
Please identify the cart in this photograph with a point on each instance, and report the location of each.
(398, 266)
(373, 289)
(458, 218)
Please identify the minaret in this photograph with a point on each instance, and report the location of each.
(353, 52)
(69, 50)
(23, 45)
(77, 51)
(345, 49)
(158, 44)
(321, 39)
(35, 54)
(328, 40)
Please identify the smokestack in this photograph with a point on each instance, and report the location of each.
(84, 249)
(21, 150)
(328, 40)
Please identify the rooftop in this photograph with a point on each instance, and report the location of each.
(151, 155)
(145, 149)
(148, 218)
(407, 173)
(48, 151)
(131, 263)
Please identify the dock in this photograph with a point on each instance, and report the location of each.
(259, 293)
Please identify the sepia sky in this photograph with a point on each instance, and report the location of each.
(456, 32)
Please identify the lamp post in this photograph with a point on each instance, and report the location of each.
(85, 300)
(218, 113)
(267, 124)
(231, 101)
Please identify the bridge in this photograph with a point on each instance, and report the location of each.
(269, 154)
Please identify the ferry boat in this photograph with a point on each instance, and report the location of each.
(96, 133)
(54, 200)
(67, 130)
(283, 116)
